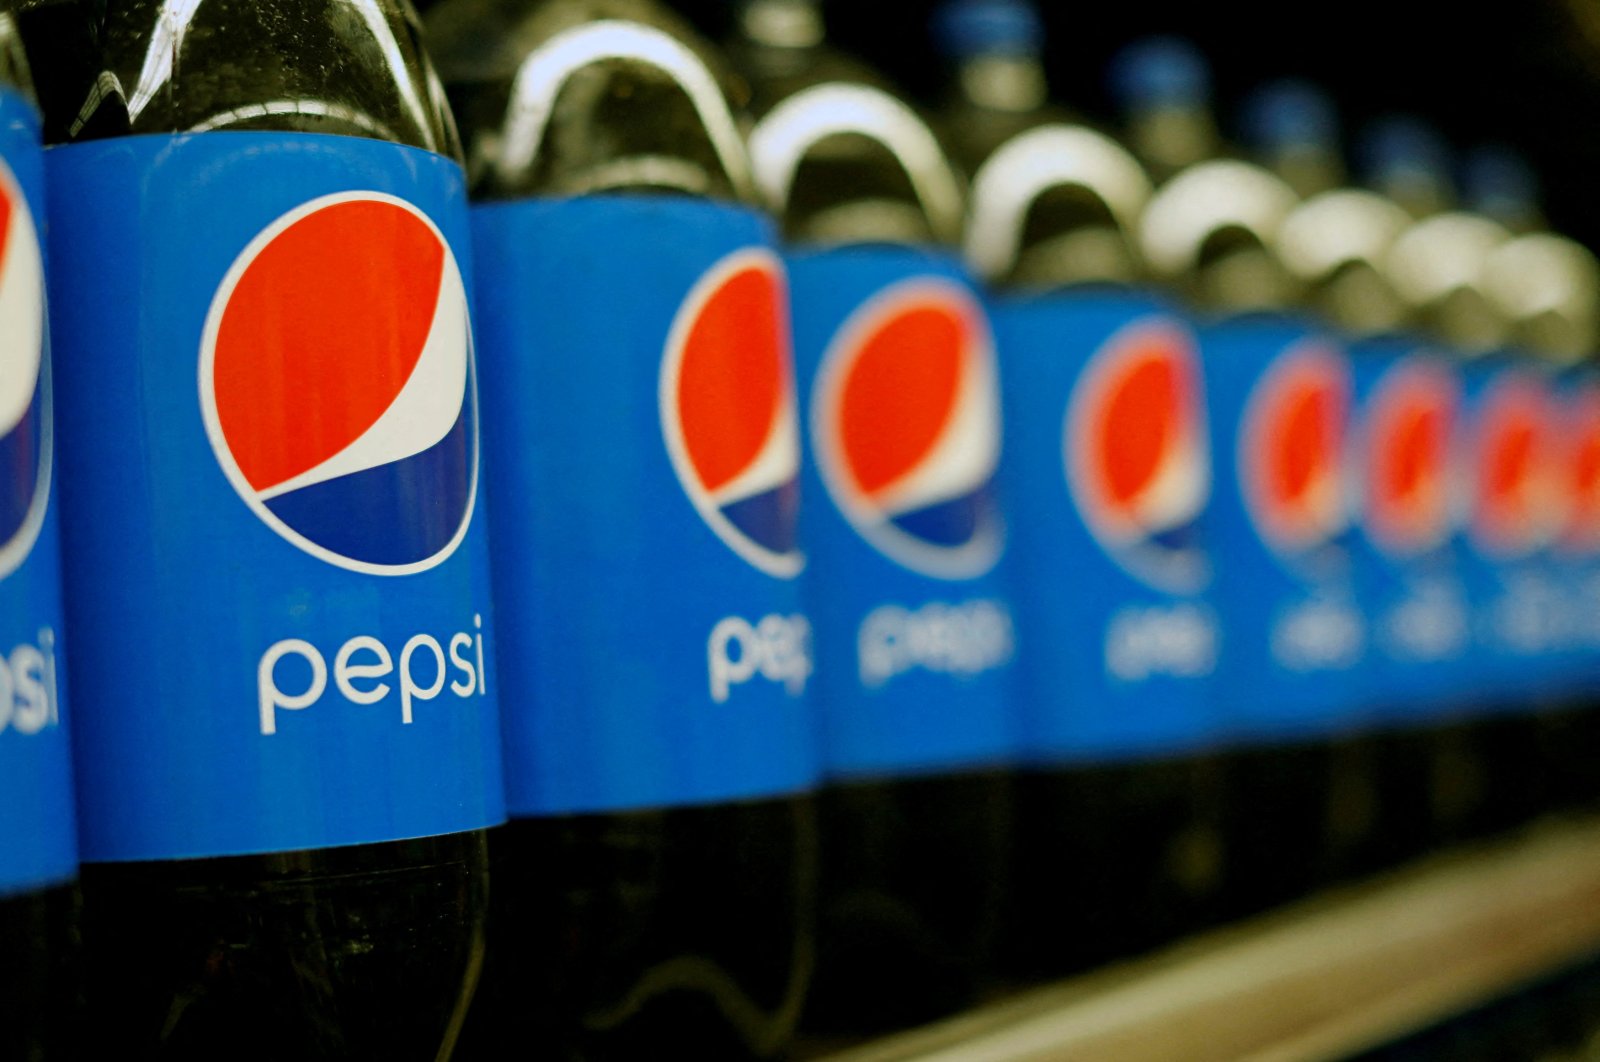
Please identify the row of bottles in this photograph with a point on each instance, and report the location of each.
(866, 558)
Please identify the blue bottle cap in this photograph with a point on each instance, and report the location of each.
(1498, 181)
(1290, 113)
(1160, 71)
(967, 28)
(1399, 145)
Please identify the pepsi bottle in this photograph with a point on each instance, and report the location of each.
(1278, 397)
(914, 635)
(1499, 452)
(1333, 243)
(655, 884)
(1548, 289)
(1402, 404)
(38, 845)
(1105, 479)
(287, 743)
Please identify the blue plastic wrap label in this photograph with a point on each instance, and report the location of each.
(38, 843)
(1107, 480)
(1406, 565)
(1280, 396)
(640, 407)
(279, 588)
(1577, 546)
(1510, 449)
(900, 394)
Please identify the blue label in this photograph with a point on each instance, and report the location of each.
(1510, 451)
(1107, 482)
(1404, 431)
(1294, 635)
(38, 844)
(279, 588)
(639, 403)
(1576, 556)
(900, 396)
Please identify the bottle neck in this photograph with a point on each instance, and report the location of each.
(1171, 137)
(1014, 84)
(1309, 168)
(782, 24)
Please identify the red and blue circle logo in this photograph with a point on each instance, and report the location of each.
(1581, 533)
(1292, 449)
(1136, 457)
(728, 409)
(1517, 494)
(905, 422)
(1404, 461)
(337, 384)
(25, 443)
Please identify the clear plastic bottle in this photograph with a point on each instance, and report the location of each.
(1118, 807)
(914, 634)
(230, 906)
(1279, 393)
(39, 993)
(655, 884)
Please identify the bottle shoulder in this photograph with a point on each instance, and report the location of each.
(574, 97)
(349, 67)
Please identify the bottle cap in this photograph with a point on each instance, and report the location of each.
(967, 28)
(1289, 113)
(1160, 71)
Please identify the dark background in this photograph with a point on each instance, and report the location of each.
(1520, 72)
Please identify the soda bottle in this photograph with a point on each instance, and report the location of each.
(1335, 243)
(914, 636)
(287, 743)
(1503, 457)
(1278, 398)
(1105, 476)
(38, 845)
(655, 884)
(1548, 288)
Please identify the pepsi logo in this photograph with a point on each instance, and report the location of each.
(1517, 494)
(905, 423)
(1136, 456)
(25, 441)
(1581, 533)
(1291, 454)
(728, 409)
(1405, 463)
(337, 384)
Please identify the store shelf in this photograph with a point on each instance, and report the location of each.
(1345, 972)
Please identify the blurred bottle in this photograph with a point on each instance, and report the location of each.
(1118, 811)
(1437, 266)
(1332, 243)
(1278, 397)
(914, 635)
(655, 884)
(38, 844)
(1403, 406)
(1548, 288)
(266, 199)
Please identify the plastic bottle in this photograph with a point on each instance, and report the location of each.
(655, 884)
(1278, 397)
(914, 634)
(286, 739)
(38, 837)
(1118, 807)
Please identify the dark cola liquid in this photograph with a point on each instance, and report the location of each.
(915, 872)
(367, 952)
(40, 1004)
(1113, 860)
(617, 936)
